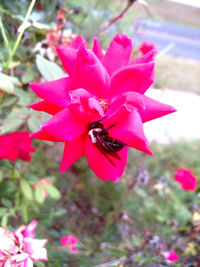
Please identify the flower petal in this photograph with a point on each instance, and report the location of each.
(42, 135)
(118, 53)
(76, 44)
(19, 258)
(55, 92)
(149, 57)
(46, 107)
(30, 229)
(133, 78)
(84, 105)
(154, 109)
(64, 126)
(28, 263)
(97, 49)
(101, 166)
(68, 57)
(130, 131)
(35, 248)
(72, 152)
(91, 75)
(146, 46)
(40, 255)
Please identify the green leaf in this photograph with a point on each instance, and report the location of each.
(6, 202)
(40, 195)
(24, 97)
(6, 84)
(13, 121)
(34, 124)
(53, 191)
(3, 211)
(4, 220)
(28, 76)
(49, 70)
(26, 190)
(39, 264)
(8, 100)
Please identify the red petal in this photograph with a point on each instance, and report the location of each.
(76, 44)
(134, 78)
(85, 106)
(72, 152)
(101, 166)
(64, 126)
(118, 53)
(130, 131)
(154, 109)
(42, 135)
(46, 107)
(91, 75)
(149, 57)
(97, 49)
(68, 57)
(55, 92)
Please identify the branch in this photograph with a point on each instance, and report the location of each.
(112, 21)
(21, 32)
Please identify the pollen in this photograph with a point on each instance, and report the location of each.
(104, 104)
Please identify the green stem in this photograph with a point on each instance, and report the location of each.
(19, 37)
(3, 34)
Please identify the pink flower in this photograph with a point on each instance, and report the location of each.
(69, 241)
(171, 256)
(20, 248)
(146, 47)
(16, 145)
(42, 183)
(99, 109)
(186, 178)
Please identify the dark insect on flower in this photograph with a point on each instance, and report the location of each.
(105, 143)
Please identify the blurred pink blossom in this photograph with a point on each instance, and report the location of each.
(20, 248)
(16, 145)
(146, 47)
(171, 256)
(186, 179)
(69, 241)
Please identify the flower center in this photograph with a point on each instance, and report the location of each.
(104, 104)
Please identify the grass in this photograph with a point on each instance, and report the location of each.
(177, 73)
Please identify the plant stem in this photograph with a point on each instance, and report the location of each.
(3, 33)
(19, 37)
(112, 21)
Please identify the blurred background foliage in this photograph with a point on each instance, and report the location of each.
(128, 223)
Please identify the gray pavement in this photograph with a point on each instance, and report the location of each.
(185, 41)
(183, 124)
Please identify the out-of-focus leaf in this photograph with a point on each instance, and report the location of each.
(39, 264)
(36, 120)
(4, 220)
(24, 97)
(3, 211)
(14, 120)
(7, 83)
(34, 124)
(6, 202)
(26, 190)
(53, 191)
(28, 76)
(49, 70)
(39, 195)
(8, 100)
